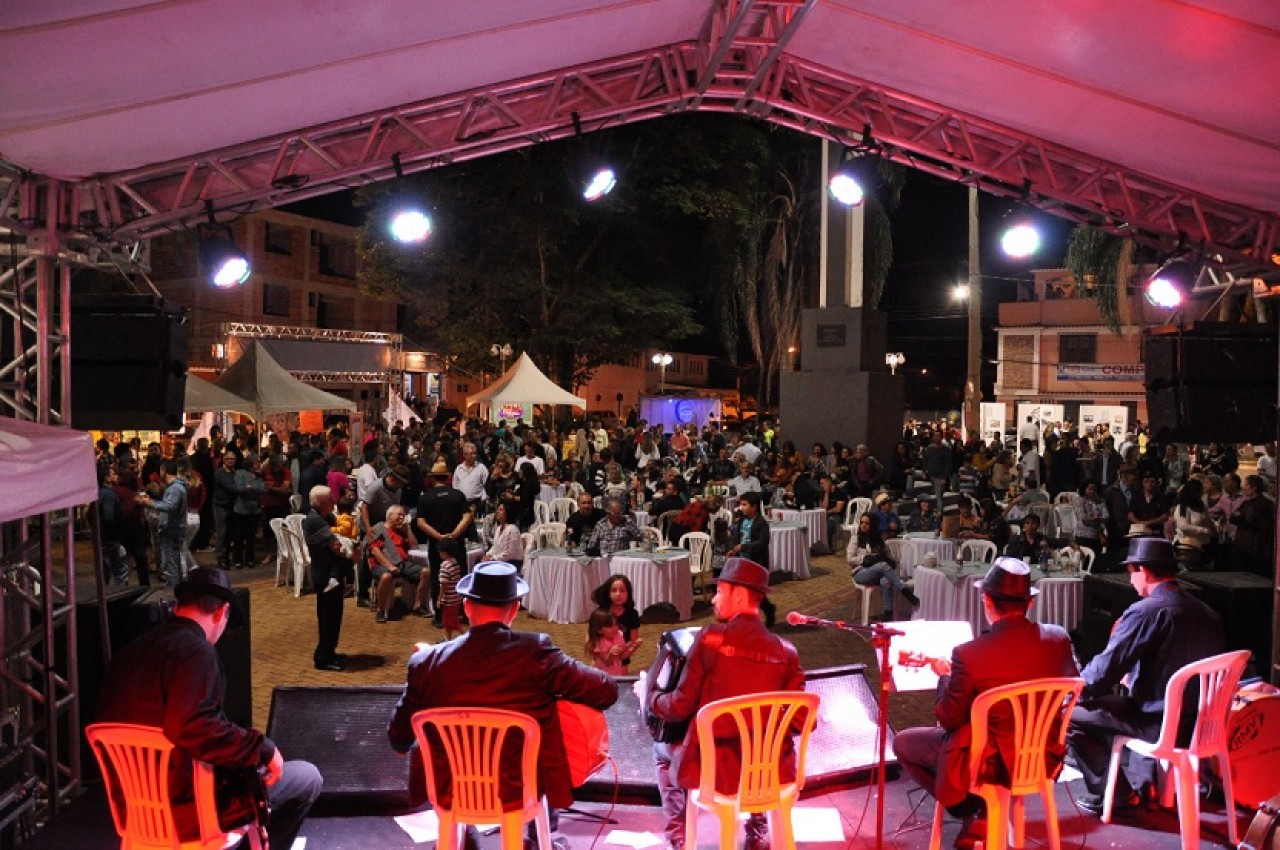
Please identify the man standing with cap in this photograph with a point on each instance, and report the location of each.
(492, 666)
(171, 678)
(736, 655)
(1014, 650)
(443, 513)
(1166, 629)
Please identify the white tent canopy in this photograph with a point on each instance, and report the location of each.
(207, 397)
(399, 411)
(523, 386)
(268, 388)
(44, 469)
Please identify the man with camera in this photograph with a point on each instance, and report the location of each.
(736, 655)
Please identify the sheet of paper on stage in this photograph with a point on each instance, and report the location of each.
(421, 826)
(636, 840)
(817, 824)
(931, 638)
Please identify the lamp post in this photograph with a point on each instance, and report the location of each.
(502, 352)
(893, 360)
(663, 360)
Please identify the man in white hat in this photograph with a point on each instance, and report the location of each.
(1014, 650)
(494, 666)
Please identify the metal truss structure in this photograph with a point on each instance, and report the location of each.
(740, 65)
(392, 376)
(38, 673)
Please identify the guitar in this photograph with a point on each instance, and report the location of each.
(241, 795)
(586, 739)
(911, 659)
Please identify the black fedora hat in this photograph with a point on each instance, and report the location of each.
(745, 572)
(1008, 580)
(1150, 550)
(208, 582)
(492, 583)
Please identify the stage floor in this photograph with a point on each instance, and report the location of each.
(86, 825)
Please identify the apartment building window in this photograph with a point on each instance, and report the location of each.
(337, 257)
(278, 239)
(1078, 348)
(695, 367)
(275, 300)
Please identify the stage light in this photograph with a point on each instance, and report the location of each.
(1021, 240)
(409, 225)
(1171, 284)
(222, 261)
(857, 172)
(599, 183)
(960, 292)
(844, 187)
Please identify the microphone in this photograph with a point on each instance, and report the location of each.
(795, 618)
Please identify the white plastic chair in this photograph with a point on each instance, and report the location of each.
(856, 508)
(1048, 519)
(1083, 557)
(295, 502)
(1066, 518)
(904, 554)
(1217, 677)
(541, 512)
(977, 550)
(549, 534)
(654, 534)
(301, 557)
(1038, 712)
(562, 509)
(1066, 497)
(527, 540)
(699, 545)
(284, 549)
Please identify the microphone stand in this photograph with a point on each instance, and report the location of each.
(878, 636)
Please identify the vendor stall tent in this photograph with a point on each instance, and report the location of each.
(206, 397)
(514, 394)
(268, 388)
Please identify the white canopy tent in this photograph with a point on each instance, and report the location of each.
(268, 388)
(207, 397)
(44, 469)
(521, 388)
(399, 411)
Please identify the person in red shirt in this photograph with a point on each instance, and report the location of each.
(392, 541)
(275, 502)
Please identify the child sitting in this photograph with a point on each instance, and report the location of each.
(605, 644)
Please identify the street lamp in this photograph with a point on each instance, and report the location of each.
(503, 352)
(893, 360)
(663, 360)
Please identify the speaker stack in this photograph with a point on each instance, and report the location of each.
(128, 362)
(1212, 382)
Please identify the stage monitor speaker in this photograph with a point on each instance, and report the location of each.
(1212, 382)
(128, 362)
(343, 732)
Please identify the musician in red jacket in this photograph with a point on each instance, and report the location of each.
(493, 666)
(732, 657)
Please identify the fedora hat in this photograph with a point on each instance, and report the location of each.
(1150, 550)
(745, 572)
(440, 469)
(399, 472)
(1138, 529)
(1008, 580)
(207, 581)
(881, 498)
(492, 583)
(1187, 543)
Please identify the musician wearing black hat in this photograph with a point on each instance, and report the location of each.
(493, 666)
(736, 655)
(1166, 629)
(171, 678)
(1014, 650)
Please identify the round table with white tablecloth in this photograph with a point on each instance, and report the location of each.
(925, 542)
(661, 576)
(789, 548)
(814, 518)
(560, 584)
(1061, 601)
(947, 592)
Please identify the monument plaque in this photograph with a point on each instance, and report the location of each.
(831, 336)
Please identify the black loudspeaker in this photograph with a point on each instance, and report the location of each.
(128, 362)
(1212, 382)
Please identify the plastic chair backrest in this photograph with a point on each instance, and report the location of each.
(1066, 497)
(1038, 711)
(1083, 556)
(1217, 677)
(551, 534)
(527, 542)
(1066, 517)
(654, 534)
(137, 759)
(664, 523)
(296, 502)
(293, 522)
(472, 741)
(699, 545)
(541, 512)
(277, 526)
(977, 550)
(1048, 519)
(765, 723)
(562, 509)
(856, 508)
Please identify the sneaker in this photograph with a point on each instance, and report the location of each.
(382, 616)
(910, 596)
(363, 602)
(756, 830)
(424, 613)
(333, 584)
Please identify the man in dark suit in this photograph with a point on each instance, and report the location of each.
(492, 666)
(1106, 464)
(1166, 629)
(1014, 650)
(731, 657)
(749, 538)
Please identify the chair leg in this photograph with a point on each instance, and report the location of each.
(690, 822)
(1018, 811)
(1051, 816)
(1185, 775)
(513, 832)
(448, 831)
(997, 820)
(543, 826)
(780, 832)
(1113, 770)
(728, 816)
(935, 836)
(1229, 798)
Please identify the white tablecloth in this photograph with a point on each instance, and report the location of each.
(789, 548)
(560, 584)
(641, 518)
(474, 553)
(814, 518)
(942, 597)
(656, 577)
(945, 550)
(1061, 601)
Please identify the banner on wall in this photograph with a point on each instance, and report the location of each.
(1041, 415)
(993, 420)
(1115, 417)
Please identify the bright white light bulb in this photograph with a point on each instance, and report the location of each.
(961, 292)
(410, 226)
(845, 190)
(1164, 294)
(1021, 240)
(233, 272)
(600, 184)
